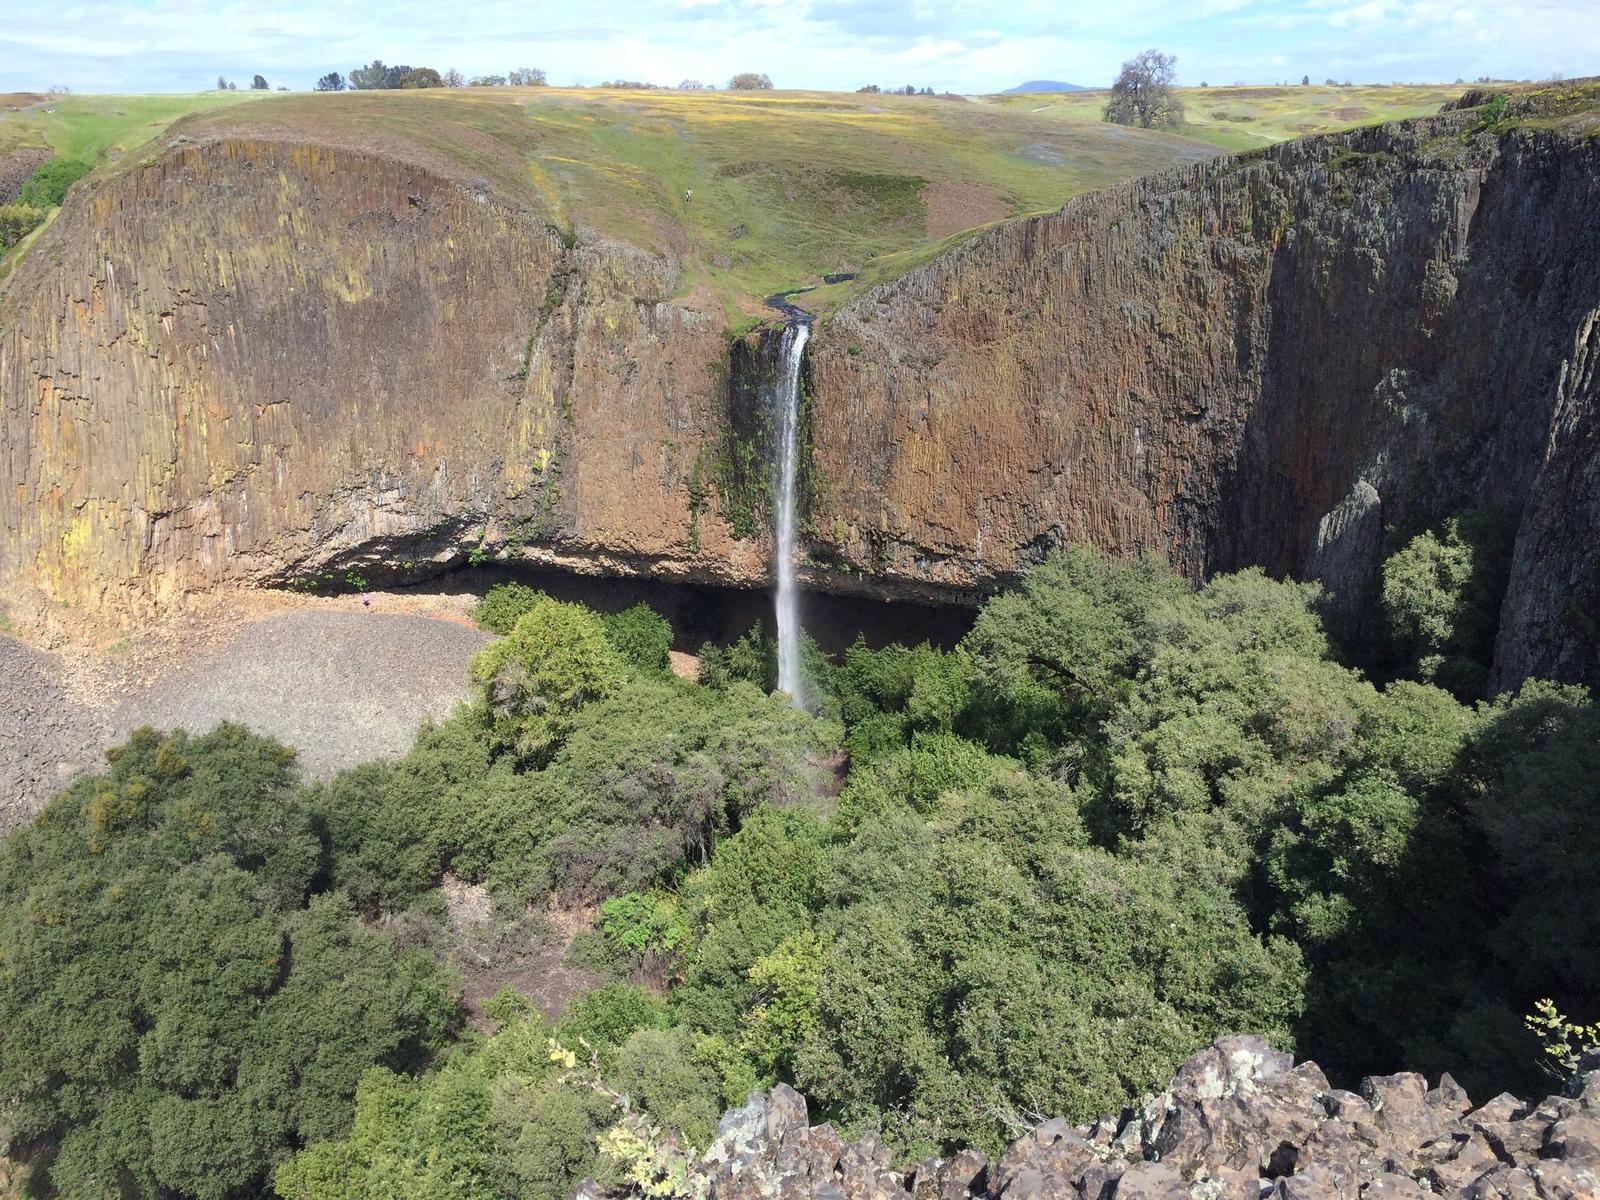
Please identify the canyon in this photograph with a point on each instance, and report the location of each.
(260, 357)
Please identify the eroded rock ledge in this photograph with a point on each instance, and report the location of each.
(1239, 1121)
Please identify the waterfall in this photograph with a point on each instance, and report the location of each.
(788, 601)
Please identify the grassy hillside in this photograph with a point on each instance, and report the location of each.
(1243, 118)
(755, 192)
(98, 128)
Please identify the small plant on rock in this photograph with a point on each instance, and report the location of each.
(1565, 1044)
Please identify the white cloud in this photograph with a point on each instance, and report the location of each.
(969, 45)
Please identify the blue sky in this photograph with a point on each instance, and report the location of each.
(181, 45)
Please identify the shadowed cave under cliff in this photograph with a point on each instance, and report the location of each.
(701, 613)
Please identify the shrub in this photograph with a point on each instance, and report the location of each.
(555, 660)
(642, 924)
(752, 658)
(1441, 599)
(660, 1070)
(503, 604)
(604, 1018)
(47, 186)
(654, 777)
(17, 221)
(501, 1119)
(641, 637)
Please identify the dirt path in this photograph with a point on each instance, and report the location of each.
(338, 680)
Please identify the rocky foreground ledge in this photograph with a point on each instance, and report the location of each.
(1240, 1120)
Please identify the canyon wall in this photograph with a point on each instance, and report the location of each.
(1272, 359)
(263, 361)
(268, 362)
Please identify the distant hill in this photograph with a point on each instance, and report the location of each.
(1048, 85)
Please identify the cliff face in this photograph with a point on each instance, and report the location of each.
(256, 361)
(267, 362)
(1265, 360)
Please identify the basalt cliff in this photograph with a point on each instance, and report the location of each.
(261, 360)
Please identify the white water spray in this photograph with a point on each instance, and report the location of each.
(788, 602)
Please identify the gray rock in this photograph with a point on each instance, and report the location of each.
(1239, 1121)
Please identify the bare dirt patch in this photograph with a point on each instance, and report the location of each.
(537, 967)
(954, 205)
(342, 680)
(492, 948)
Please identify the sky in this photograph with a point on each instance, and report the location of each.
(955, 45)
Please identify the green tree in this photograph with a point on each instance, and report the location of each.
(182, 1003)
(1143, 93)
(1053, 657)
(786, 1012)
(373, 75)
(419, 77)
(752, 658)
(1441, 599)
(641, 637)
(555, 660)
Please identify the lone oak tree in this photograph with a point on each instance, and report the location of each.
(1143, 95)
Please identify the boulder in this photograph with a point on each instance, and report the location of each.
(1239, 1121)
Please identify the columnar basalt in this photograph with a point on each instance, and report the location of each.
(1267, 360)
(261, 362)
(264, 361)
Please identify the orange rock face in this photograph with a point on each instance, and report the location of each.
(268, 362)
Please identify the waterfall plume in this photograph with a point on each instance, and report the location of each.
(788, 599)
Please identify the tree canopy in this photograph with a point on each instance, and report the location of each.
(1143, 92)
(1122, 816)
(184, 1001)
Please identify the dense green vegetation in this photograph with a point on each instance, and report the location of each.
(47, 186)
(42, 191)
(1122, 817)
(185, 998)
(17, 221)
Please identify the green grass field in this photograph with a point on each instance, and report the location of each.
(756, 192)
(102, 128)
(1244, 118)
